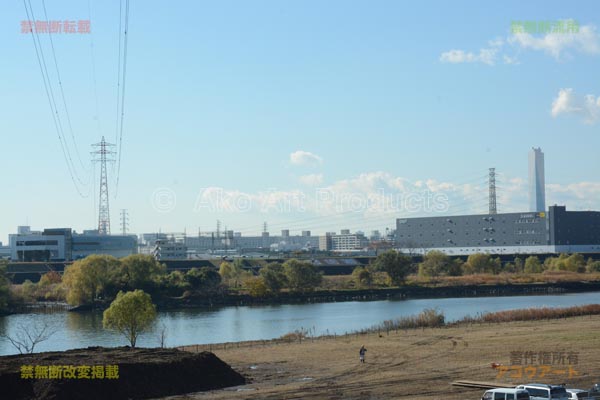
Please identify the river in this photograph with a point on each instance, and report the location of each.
(232, 324)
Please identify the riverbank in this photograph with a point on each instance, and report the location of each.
(404, 292)
(418, 364)
(332, 296)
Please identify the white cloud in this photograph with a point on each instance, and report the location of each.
(510, 60)
(485, 56)
(576, 196)
(301, 157)
(569, 103)
(586, 41)
(312, 179)
(379, 197)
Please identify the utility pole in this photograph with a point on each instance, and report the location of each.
(124, 221)
(103, 155)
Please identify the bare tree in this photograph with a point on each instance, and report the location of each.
(162, 335)
(26, 338)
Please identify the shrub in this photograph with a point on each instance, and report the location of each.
(362, 277)
(395, 264)
(274, 276)
(204, 279)
(480, 263)
(301, 275)
(256, 286)
(593, 266)
(532, 265)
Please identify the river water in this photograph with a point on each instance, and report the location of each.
(232, 324)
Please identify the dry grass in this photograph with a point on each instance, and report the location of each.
(504, 278)
(345, 282)
(534, 314)
(416, 364)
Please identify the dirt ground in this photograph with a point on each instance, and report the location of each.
(416, 364)
(135, 373)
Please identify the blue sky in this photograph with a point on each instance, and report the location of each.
(370, 96)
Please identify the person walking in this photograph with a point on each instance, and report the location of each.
(362, 352)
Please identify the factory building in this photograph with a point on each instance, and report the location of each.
(555, 231)
(344, 241)
(62, 244)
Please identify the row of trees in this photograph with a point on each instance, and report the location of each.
(4, 288)
(436, 263)
(100, 277)
(294, 275)
(397, 266)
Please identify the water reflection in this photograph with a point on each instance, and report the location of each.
(229, 324)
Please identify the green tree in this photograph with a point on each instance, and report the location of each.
(479, 263)
(50, 278)
(130, 313)
(575, 263)
(302, 275)
(362, 277)
(519, 265)
(532, 265)
(593, 266)
(29, 291)
(4, 289)
(395, 264)
(274, 276)
(436, 263)
(173, 283)
(141, 271)
(205, 279)
(226, 270)
(256, 286)
(233, 273)
(94, 277)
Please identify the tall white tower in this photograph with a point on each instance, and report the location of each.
(537, 182)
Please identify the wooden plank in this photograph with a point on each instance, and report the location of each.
(482, 385)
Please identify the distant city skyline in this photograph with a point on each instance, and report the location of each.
(309, 116)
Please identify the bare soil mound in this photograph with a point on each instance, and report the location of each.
(91, 374)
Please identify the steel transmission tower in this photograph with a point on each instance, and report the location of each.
(492, 185)
(124, 221)
(102, 155)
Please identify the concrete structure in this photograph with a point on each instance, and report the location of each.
(49, 245)
(555, 231)
(94, 243)
(4, 252)
(537, 181)
(231, 240)
(61, 244)
(170, 250)
(345, 241)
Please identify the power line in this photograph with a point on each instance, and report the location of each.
(50, 96)
(122, 100)
(93, 62)
(62, 91)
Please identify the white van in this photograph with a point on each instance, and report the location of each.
(579, 394)
(540, 391)
(506, 394)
